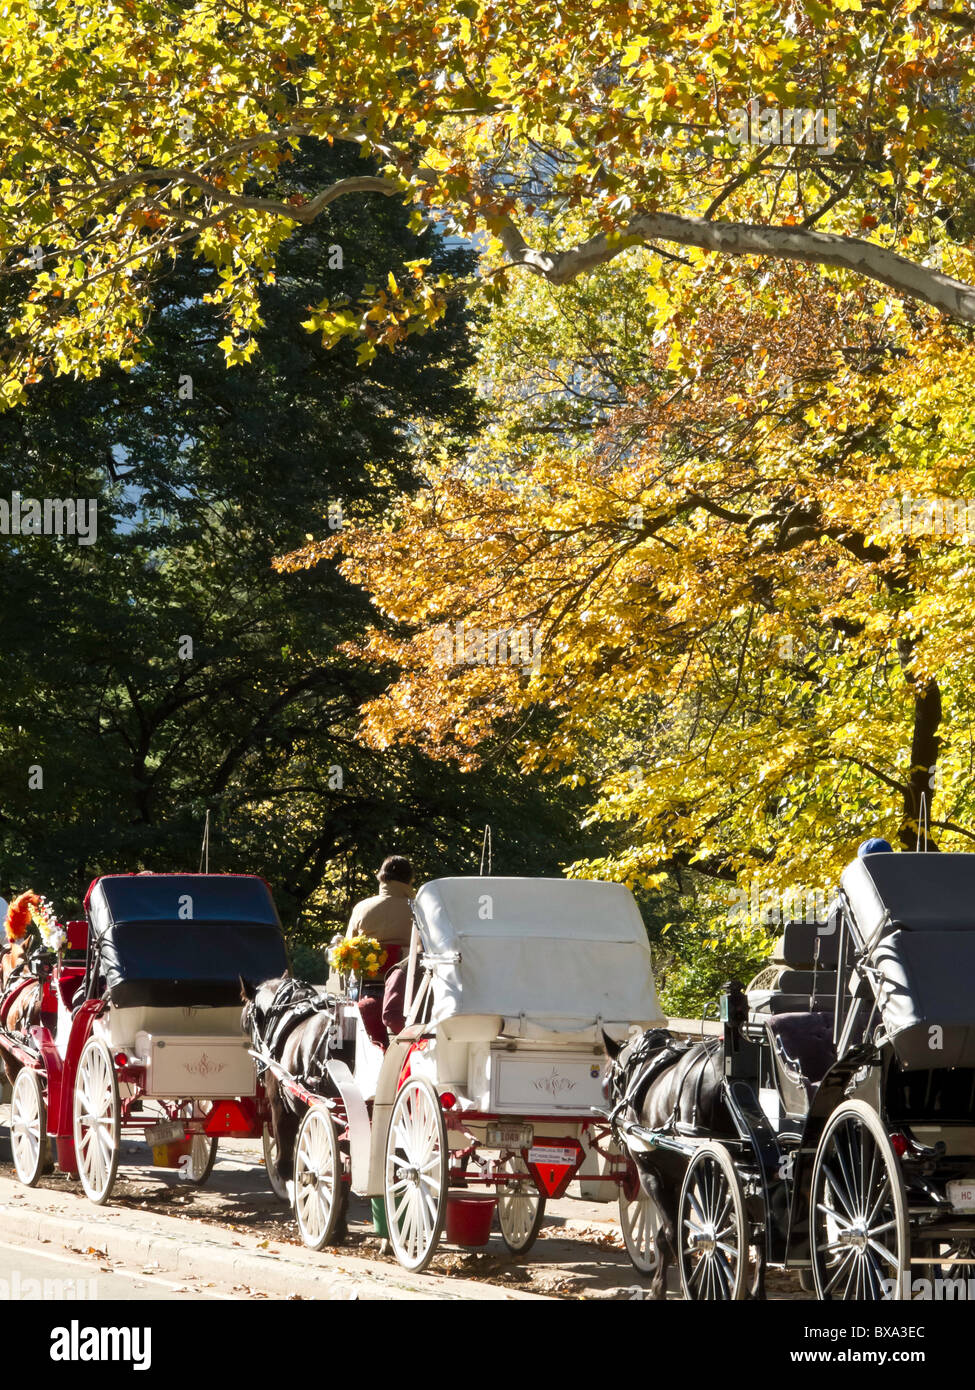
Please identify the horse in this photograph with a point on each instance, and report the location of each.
(20, 998)
(659, 1083)
(291, 1022)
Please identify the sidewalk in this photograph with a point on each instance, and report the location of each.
(166, 1245)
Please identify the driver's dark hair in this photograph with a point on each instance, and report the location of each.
(396, 869)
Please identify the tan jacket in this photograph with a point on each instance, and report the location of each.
(386, 916)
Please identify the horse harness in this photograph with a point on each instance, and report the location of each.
(648, 1058)
(294, 1003)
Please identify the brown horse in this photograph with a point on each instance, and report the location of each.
(661, 1084)
(290, 1022)
(19, 1013)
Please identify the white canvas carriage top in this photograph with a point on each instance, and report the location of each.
(546, 955)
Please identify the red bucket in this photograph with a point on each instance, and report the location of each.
(469, 1217)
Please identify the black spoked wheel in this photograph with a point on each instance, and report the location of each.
(858, 1210)
(713, 1244)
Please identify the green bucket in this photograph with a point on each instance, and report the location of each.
(379, 1218)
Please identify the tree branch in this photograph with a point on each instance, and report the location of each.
(950, 296)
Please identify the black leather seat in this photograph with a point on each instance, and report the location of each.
(803, 1044)
(806, 980)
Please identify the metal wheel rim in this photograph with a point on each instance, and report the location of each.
(639, 1232)
(711, 1243)
(96, 1122)
(520, 1209)
(317, 1177)
(859, 1217)
(27, 1126)
(415, 1175)
(279, 1188)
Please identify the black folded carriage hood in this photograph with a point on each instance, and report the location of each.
(183, 939)
(916, 915)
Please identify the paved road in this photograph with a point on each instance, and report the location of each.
(30, 1273)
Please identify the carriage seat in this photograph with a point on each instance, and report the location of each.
(802, 1045)
(796, 947)
(797, 972)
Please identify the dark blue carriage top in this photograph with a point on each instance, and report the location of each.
(914, 914)
(183, 939)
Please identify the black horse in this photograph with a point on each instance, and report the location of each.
(663, 1084)
(291, 1022)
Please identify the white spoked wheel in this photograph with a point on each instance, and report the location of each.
(279, 1185)
(860, 1246)
(416, 1174)
(318, 1179)
(521, 1209)
(96, 1121)
(28, 1127)
(712, 1234)
(639, 1222)
(202, 1156)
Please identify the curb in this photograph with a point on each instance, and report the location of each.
(331, 1278)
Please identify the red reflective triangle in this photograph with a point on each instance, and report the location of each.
(552, 1177)
(228, 1117)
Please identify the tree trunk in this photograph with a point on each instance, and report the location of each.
(925, 747)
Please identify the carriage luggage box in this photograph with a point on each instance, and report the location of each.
(203, 1067)
(536, 1083)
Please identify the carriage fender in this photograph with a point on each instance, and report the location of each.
(357, 1119)
(382, 1107)
(831, 1092)
(81, 1029)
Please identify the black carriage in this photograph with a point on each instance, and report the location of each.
(846, 1146)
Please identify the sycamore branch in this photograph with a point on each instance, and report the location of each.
(296, 212)
(950, 296)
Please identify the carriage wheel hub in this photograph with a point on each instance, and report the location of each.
(858, 1235)
(704, 1241)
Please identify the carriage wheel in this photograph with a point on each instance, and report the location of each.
(521, 1209)
(952, 1254)
(859, 1222)
(96, 1121)
(712, 1233)
(203, 1148)
(202, 1156)
(28, 1127)
(639, 1222)
(279, 1185)
(416, 1174)
(319, 1190)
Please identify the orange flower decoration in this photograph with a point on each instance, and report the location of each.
(19, 916)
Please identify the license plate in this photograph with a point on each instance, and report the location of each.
(509, 1136)
(169, 1132)
(542, 1154)
(961, 1195)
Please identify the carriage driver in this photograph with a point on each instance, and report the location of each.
(387, 918)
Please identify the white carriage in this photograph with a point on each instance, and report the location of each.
(494, 1085)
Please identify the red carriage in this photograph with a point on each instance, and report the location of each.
(133, 1029)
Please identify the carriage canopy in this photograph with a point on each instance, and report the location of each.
(171, 939)
(915, 914)
(548, 955)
